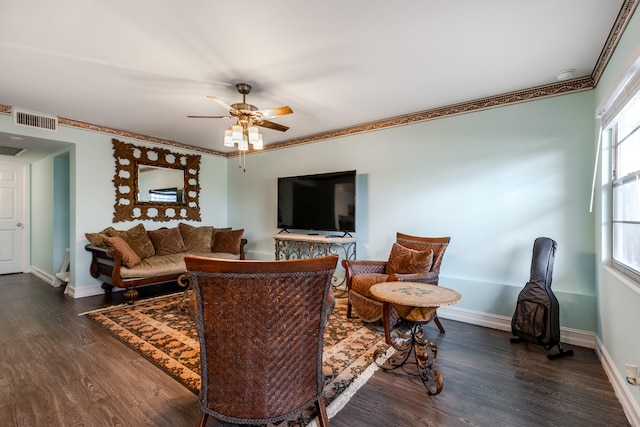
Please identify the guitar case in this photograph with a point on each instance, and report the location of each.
(537, 315)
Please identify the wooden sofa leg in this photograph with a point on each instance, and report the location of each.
(130, 295)
(108, 288)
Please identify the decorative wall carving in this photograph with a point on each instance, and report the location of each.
(128, 207)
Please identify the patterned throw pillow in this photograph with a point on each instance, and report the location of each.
(408, 261)
(137, 238)
(167, 241)
(227, 241)
(129, 257)
(196, 239)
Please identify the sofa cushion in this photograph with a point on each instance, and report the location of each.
(408, 261)
(161, 265)
(158, 265)
(197, 239)
(167, 241)
(137, 238)
(128, 255)
(227, 241)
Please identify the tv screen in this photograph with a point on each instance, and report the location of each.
(323, 202)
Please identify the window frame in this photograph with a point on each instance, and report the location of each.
(624, 99)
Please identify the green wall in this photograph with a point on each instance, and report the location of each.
(618, 296)
(493, 180)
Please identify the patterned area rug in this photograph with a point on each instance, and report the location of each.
(160, 331)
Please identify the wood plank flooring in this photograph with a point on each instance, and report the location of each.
(61, 369)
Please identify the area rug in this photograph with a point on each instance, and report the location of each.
(161, 332)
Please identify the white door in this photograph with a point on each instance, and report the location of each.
(11, 218)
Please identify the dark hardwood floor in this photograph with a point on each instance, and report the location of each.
(61, 369)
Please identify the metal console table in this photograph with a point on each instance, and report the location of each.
(298, 246)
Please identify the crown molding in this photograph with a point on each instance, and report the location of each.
(561, 88)
(623, 18)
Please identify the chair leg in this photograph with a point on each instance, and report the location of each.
(386, 322)
(348, 306)
(202, 420)
(438, 324)
(321, 409)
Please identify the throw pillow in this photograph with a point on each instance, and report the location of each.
(167, 241)
(137, 238)
(96, 239)
(128, 255)
(227, 241)
(196, 239)
(408, 261)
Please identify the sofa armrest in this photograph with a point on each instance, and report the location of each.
(105, 264)
(243, 242)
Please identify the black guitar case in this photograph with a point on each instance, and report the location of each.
(537, 315)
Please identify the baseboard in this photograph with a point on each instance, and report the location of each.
(89, 291)
(42, 275)
(620, 386)
(503, 323)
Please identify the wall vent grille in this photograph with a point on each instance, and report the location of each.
(35, 120)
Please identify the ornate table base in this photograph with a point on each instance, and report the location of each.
(424, 355)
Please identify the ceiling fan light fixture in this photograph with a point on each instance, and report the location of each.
(258, 145)
(243, 145)
(236, 133)
(228, 138)
(253, 134)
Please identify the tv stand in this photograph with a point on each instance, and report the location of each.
(298, 246)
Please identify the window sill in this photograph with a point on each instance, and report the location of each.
(626, 280)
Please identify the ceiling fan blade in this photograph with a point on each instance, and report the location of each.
(210, 117)
(274, 112)
(223, 104)
(272, 125)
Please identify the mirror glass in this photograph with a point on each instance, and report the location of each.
(160, 185)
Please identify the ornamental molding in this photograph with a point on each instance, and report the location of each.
(555, 89)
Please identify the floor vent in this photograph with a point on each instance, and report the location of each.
(11, 151)
(35, 120)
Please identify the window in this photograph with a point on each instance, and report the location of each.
(625, 133)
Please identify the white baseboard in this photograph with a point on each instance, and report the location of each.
(89, 291)
(42, 275)
(620, 386)
(503, 323)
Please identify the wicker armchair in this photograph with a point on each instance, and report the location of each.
(360, 275)
(261, 326)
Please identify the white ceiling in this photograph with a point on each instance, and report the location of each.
(142, 66)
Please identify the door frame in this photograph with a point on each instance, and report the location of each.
(26, 212)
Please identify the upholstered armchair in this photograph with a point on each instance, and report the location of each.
(412, 259)
(260, 326)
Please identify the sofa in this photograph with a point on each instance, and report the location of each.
(137, 257)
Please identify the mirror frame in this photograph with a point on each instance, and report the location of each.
(127, 158)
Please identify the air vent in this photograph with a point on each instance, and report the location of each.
(35, 120)
(11, 151)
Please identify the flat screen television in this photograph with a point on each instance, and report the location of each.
(320, 202)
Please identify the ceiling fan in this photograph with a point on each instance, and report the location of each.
(248, 114)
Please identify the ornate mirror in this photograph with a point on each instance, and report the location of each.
(155, 184)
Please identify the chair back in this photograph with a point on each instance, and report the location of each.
(260, 326)
(437, 244)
